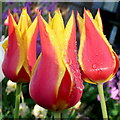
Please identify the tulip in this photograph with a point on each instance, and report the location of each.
(20, 51)
(97, 59)
(20, 48)
(56, 82)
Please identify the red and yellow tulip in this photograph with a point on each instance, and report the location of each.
(97, 59)
(20, 48)
(56, 82)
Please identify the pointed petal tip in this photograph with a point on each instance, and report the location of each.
(85, 10)
(79, 16)
(49, 13)
(24, 11)
(58, 10)
(24, 8)
(77, 12)
(87, 14)
(72, 11)
(9, 12)
(38, 12)
(99, 10)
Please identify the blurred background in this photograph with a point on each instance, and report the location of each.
(89, 106)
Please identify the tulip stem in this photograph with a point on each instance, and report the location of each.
(102, 101)
(17, 101)
(57, 115)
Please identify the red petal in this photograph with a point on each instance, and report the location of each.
(31, 50)
(72, 65)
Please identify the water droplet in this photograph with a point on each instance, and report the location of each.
(94, 66)
(96, 54)
(75, 51)
(100, 71)
(46, 35)
(69, 61)
(79, 88)
(88, 60)
(113, 57)
(61, 72)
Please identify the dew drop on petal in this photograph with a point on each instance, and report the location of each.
(94, 66)
(61, 72)
(96, 55)
(69, 61)
(99, 72)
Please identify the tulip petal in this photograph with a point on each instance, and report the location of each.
(14, 56)
(24, 21)
(50, 19)
(50, 69)
(71, 87)
(58, 27)
(80, 22)
(98, 20)
(95, 54)
(5, 44)
(30, 37)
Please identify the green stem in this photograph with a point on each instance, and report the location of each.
(57, 115)
(102, 101)
(17, 101)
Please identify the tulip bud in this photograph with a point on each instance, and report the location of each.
(97, 59)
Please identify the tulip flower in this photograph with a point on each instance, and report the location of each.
(56, 82)
(20, 48)
(97, 59)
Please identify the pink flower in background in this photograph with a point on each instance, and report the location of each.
(114, 93)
